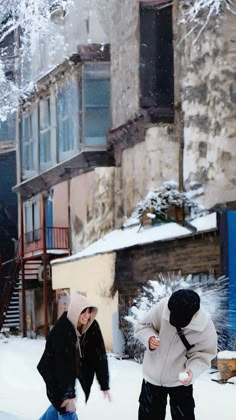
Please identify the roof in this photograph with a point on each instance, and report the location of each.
(128, 237)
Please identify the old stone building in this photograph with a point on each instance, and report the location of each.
(141, 98)
(173, 118)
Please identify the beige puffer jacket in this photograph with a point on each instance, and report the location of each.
(163, 365)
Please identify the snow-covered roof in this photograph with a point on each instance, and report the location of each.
(125, 238)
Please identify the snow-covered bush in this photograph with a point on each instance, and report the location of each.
(213, 293)
(155, 206)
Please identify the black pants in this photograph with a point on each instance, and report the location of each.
(153, 400)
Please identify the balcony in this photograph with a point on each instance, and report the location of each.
(55, 240)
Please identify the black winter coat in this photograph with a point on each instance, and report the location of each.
(60, 365)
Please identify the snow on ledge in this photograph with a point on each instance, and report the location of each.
(125, 238)
(226, 354)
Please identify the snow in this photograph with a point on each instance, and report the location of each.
(124, 238)
(23, 397)
(183, 376)
(230, 355)
(34, 18)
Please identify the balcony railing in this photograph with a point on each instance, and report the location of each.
(56, 238)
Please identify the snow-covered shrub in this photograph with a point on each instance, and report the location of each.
(155, 206)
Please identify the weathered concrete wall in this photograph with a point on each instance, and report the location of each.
(208, 90)
(92, 206)
(146, 165)
(124, 39)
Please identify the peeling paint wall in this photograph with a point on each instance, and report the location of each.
(146, 165)
(208, 93)
(92, 206)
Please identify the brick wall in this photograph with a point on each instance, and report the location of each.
(199, 253)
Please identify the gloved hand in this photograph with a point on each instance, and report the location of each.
(69, 405)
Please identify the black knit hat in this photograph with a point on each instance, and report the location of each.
(183, 304)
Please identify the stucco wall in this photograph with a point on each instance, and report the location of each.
(92, 206)
(60, 204)
(92, 276)
(208, 90)
(124, 60)
(146, 165)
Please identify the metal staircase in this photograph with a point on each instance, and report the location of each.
(12, 318)
(9, 294)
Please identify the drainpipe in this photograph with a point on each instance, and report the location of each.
(0, 269)
(178, 112)
(22, 265)
(45, 276)
(69, 216)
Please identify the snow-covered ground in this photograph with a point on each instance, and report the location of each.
(22, 391)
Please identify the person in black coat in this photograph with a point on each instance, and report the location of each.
(74, 349)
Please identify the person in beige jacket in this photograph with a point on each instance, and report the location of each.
(181, 341)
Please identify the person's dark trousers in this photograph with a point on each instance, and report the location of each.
(153, 400)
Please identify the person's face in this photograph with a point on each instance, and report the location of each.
(84, 317)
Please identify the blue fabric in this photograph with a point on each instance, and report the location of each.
(52, 414)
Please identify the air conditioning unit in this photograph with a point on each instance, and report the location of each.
(41, 274)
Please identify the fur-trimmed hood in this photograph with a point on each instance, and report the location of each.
(77, 304)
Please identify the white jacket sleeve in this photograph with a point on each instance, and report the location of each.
(201, 355)
(149, 325)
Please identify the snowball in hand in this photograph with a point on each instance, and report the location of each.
(183, 376)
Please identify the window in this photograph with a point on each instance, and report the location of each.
(32, 220)
(45, 152)
(74, 115)
(7, 128)
(96, 106)
(28, 141)
(66, 118)
(156, 58)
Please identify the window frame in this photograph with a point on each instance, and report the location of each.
(74, 112)
(49, 124)
(32, 220)
(156, 97)
(107, 67)
(31, 141)
(51, 129)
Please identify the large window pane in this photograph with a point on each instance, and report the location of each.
(32, 220)
(28, 141)
(45, 132)
(96, 104)
(7, 128)
(29, 222)
(96, 126)
(45, 147)
(66, 117)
